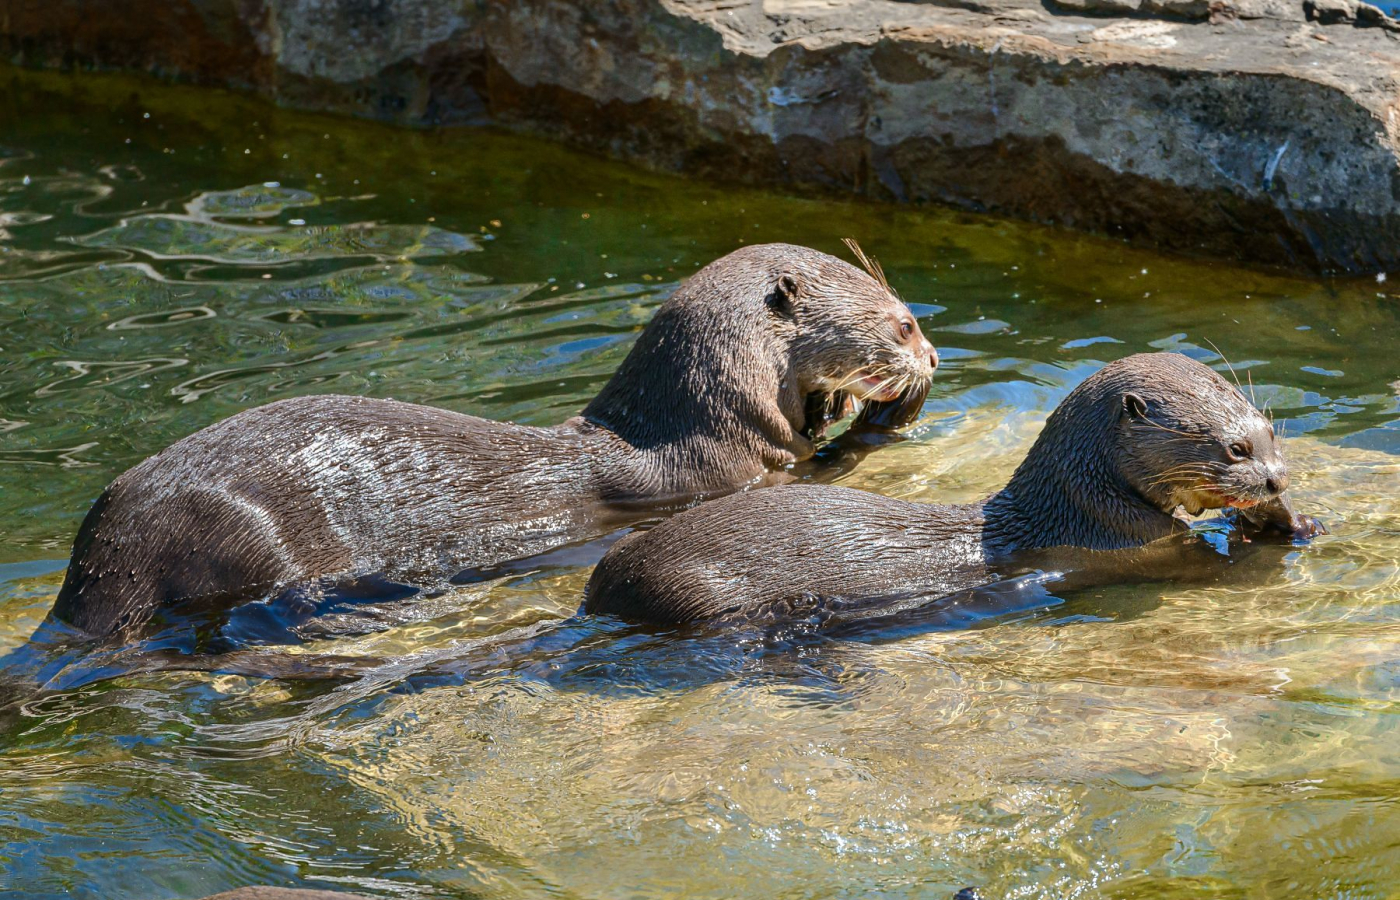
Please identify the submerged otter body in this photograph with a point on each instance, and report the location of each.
(1135, 441)
(716, 392)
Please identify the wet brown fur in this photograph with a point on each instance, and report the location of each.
(1116, 458)
(712, 396)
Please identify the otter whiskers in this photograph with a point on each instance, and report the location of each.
(1178, 473)
(1233, 374)
(862, 373)
(870, 265)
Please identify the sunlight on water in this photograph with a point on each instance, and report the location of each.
(1158, 740)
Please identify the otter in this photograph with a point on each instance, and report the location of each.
(715, 395)
(1138, 440)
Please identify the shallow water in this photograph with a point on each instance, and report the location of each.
(1143, 741)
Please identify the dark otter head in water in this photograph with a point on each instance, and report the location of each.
(1191, 439)
(735, 357)
(1139, 438)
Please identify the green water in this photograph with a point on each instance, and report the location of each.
(168, 257)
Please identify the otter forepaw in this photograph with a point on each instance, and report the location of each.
(1307, 527)
(1278, 517)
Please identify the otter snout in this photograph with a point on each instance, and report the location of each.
(1262, 472)
(926, 350)
(1248, 483)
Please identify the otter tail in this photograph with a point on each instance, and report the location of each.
(58, 658)
(25, 669)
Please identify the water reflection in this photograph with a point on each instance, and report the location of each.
(174, 237)
(1140, 740)
(89, 374)
(163, 319)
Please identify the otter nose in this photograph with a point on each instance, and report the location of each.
(932, 354)
(1276, 480)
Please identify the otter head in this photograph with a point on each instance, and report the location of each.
(1136, 440)
(749, 360)
(1189, 438)
(851, 336)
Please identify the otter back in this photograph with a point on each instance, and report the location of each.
(317, 485)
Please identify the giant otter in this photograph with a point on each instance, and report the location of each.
(1132, 443)
(716, 392)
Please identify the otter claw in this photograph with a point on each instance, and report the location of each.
(824, 409)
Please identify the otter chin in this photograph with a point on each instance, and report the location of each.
(1131, 448)
(733, 379)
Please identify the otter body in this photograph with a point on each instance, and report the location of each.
(771, 552)
(313, 486)
(1136, 441)
(715, 393)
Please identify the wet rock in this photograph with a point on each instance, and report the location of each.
(1282, 10)
(1260, 129)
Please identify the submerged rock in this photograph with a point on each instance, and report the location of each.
(1259, 129)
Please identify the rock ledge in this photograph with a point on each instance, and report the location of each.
(1256, 129)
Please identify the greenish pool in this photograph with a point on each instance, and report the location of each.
(168, 257)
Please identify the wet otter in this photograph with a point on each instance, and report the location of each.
(1138, 439)
(716, 392)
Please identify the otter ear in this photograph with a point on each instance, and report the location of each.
(1134, 407)
(783, 298)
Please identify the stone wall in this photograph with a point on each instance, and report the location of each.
(1245, 129)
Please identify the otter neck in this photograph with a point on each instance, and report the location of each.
(1070, 490)
(704, 401)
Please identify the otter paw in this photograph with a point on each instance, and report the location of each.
(295, 603)
(1305, 528)
(1278, 517)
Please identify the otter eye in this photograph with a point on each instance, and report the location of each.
(906, 328)
(1240, 450)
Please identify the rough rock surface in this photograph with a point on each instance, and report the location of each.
(1260, 129)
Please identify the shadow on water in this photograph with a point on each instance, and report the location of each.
(801, 641)
(804, 642)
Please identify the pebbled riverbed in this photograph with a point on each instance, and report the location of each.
(168, 257)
